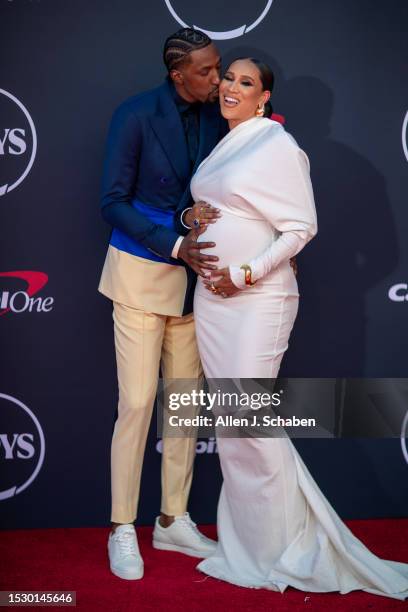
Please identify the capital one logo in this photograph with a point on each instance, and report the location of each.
(256, 12)
(18, 142)
(404, 135)
(17, 291)
(22, 446)
(208, 447)
(398, 292)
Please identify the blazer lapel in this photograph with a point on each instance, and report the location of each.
(169, 130)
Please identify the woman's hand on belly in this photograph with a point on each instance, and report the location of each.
(223, 286)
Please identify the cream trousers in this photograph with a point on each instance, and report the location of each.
(143, 342)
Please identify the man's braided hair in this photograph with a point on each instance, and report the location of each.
(178, 46)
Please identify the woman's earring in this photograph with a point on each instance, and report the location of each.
(260, 111)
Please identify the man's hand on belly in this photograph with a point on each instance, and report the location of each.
(293, 265)
(200, 215)
(189, 252)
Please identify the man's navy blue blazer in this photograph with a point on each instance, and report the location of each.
(147, 162)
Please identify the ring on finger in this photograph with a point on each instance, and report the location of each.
(213, 288)
(196, 222)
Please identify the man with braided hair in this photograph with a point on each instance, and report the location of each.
(156, 141)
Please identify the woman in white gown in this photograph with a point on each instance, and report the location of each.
(275, 527)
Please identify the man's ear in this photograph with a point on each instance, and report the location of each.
(176, 76)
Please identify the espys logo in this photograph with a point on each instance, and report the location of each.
(255, 12)
(404, 436)
(16, 299)
(398, 292)
(208, 447)
(18, 142)
(404, 135)
(22, 446)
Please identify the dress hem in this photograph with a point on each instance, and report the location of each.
(281, 587)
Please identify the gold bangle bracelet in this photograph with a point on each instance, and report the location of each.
(248, 275)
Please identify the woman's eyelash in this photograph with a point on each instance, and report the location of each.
(228, 78)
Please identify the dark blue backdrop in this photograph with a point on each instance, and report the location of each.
(341, 84)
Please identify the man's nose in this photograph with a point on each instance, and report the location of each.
(216, 78)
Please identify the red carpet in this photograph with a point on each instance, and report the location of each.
(75, 559)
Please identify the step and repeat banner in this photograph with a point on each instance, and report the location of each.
(340, 71)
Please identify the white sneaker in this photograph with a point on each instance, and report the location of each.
(124, 555)
(183, 536)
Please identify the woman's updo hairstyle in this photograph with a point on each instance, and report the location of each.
(267, 80)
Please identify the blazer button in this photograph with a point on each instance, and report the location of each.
(163, 179)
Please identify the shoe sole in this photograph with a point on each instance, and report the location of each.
(191, 552)
(135, 576)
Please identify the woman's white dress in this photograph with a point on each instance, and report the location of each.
(275, 527)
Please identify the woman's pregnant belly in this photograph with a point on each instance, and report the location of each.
(237, 239)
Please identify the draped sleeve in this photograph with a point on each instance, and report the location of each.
(281, 191)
